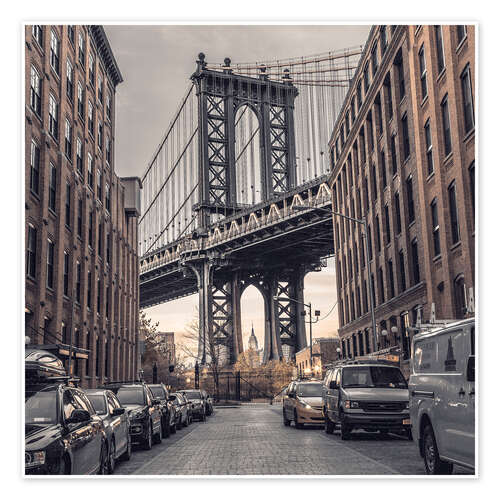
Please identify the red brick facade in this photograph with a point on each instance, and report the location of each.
(81, 238)
(403, 157)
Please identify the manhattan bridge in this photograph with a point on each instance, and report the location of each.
(246, 147)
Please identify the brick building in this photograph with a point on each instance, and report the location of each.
(402, 154)
(324, 351)
(80, 219)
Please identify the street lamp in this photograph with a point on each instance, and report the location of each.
(299, 208)
(317, 313)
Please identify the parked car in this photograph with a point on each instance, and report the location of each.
(303, 404)
(116, 425)
(209, 404)
(168, 417)
(368, 395)
(63, 433)
(184, 413)
(196, 398)
(442, 396)
(143, 410)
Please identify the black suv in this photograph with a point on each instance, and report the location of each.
(63, 434)
(144, 412)
(168, 417)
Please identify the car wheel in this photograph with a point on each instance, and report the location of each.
(345, 430)
(104, 460)
(148, 442)
(433, 464)
(128, 452)
(329, 425)
(112, 457)
(296, 420)
(286, 422)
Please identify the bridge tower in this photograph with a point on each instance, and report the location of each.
(219, 95)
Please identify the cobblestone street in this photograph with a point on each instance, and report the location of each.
(251, 439)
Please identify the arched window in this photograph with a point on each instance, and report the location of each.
(459, 293)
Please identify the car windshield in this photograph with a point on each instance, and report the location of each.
(373, 376)
(157, 392)
(309, 390)
(98, 402)
(41, 407)
(131, 395)
(193, 395)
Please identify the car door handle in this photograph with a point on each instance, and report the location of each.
(461, 392)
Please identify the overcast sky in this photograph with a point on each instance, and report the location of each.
(156, 63)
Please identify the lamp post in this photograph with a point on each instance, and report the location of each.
(316, 313)
(362, 221)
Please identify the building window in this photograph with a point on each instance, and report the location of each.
(428, 147)
(388, 88)
(390, 273)
(89, 289)
(383, 169)
(435, 228)
(394, 160)
(406, 137)
(402, 273)
(461, 33)
(460, 301)
(91, 118)
(52, 187)
(55, 48)
(398, 213)
(381, 285)
(68, 139)
(100, 89)
(69, 80)
(383, 39)
(37, 34)
(50, 264)
(91, 229)
(423, 72)
(377, 233)
(353, 110)
(81, 49)
(452, 198)
(98, 295)
(472, 185)
(92, 69)
(387, 224)
(34, 167)
(362, 146)
(107, 301)
(31, 252)
(374, 59)
(99, 185)
(359, 95)
(79, 221)
(53, 116)
(374, 182)
(108, 247)
(66, 274)
(379, 117)
(99, 134)
(366, 79)
(99, 238)
(467, 99)
(67, 210)
(90, 171)
(365, 192)
(79, 156)
(108, 107)
(78, 282)
(409, 199)
(108, 198)
(401, 75)
(36, 92)
(414, 262)
(370, 251)
(81, 111)
(438, 31)
(71, 33)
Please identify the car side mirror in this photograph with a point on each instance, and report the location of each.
(471, 369)
(172, 398)
(333, 385)
(78, 416)
(118, 411)
(292, 394)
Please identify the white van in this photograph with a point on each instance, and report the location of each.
(442, 396)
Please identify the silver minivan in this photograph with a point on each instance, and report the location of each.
(368, 395)
(442, 396)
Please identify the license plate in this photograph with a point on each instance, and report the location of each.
(406, 421)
